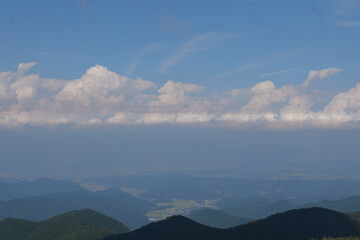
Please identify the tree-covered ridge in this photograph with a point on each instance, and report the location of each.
(338, 238)
(75, 225)
(301, 224)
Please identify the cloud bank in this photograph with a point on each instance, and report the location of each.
(103, 97)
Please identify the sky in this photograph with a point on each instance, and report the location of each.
(142, 68)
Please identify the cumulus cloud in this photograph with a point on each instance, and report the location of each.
(102, 97)
(319, 75)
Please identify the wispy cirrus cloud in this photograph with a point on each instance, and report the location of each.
(344, 13)
(149, 49)
(143, 52)
(199, 43)
(102, 97)
(278, 72)
(263, 61)
(347, 23)
(171, 23)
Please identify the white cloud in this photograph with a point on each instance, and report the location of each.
(24, 67)
(345, 104)
(101, 96)
(101, 88)
(265, 93)
(319, 75)
(175, 94)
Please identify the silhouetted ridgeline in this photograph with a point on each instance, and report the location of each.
(302, 224)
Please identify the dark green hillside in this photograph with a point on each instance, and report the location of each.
(174, 228)
(75, 225)
(299, 224)
(114, 203)
(14, 229)
(302, 224)
(217, 218)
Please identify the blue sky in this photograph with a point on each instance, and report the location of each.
(137, 38)
(278, 70)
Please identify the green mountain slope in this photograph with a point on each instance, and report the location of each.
(75, 225)
(217, 218)
(302, 224)
(299, 224)
(113, 202)
(174, 228)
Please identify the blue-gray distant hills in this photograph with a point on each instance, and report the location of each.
(74, 225)
(112, 202)
(260, 208)
(41, 186)
(350, 204)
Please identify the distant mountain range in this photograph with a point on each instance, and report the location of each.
(182, 186)
(44, 198)
(112, 202)
(75, 225)
(217, 218)
(302, 224)
(260, 209)
(351, 204)
(42, 186)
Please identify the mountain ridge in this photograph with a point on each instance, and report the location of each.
(299, 224)
(83, 224)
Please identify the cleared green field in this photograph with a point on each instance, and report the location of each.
(177, 207)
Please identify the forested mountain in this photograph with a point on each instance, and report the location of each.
(41, 186)
(75, 225)
(174, 228)
(112, 202)
(217, 218)
(302, 224)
